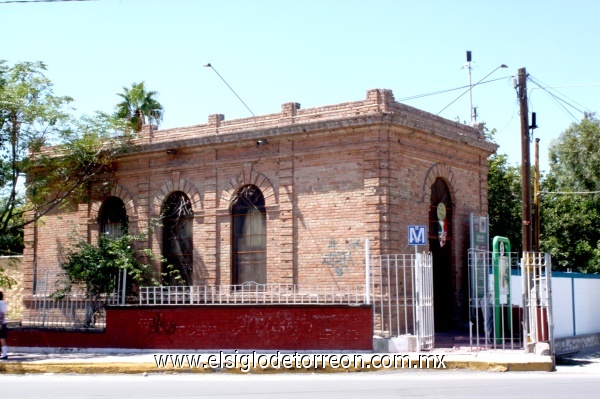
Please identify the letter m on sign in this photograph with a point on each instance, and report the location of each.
(416, 235)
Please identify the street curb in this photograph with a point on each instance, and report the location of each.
(151, 368)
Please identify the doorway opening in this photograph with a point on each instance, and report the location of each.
(440, 245)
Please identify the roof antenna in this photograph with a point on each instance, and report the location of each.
(471, 110)
(239, 98)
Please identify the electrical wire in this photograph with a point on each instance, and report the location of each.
(512, 117)
(38, 1)
(443, 91)
(546, 86)
(560, 102)
(569, 192)
(469, 89)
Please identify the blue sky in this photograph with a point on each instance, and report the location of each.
(316, 53)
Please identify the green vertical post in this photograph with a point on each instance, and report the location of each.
(501, 265)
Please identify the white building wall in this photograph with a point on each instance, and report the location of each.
(587, 301)
(562, 307)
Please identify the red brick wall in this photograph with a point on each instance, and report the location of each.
(323, 327)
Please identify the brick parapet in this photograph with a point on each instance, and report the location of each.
(379, 104)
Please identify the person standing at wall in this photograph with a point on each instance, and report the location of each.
(3, 327)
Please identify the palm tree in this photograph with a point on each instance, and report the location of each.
(139, 105)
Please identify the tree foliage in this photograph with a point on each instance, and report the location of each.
(504, 200)
(139, 106)
(40, 139)
(98, 268)
(571, 222)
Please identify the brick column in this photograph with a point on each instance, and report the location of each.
(288, 267)
(210, 221)
(29, 254)
(376, 188)
(141, 222)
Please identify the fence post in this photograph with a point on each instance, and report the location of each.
(367, 272)
(548, 263)
(44, 302)
(417, 296)
(124, 286)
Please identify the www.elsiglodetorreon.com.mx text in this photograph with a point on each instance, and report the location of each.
(247, 362)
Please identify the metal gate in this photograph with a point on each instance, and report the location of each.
(510, 302)
(536, 273)
(424, 293)
(401, 291)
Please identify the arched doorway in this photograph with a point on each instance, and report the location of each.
(440, 245)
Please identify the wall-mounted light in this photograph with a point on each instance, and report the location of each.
(261, 142)
(171, 152)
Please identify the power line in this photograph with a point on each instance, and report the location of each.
(38, 1)
(557, 98)
(570, 192)
(471, 88)
(444, 91)
(564, 95)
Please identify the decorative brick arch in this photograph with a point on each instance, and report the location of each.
(249, 176)
(120, 192)
(443, 171)
(171, 186)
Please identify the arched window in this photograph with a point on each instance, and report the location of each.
(178, 219)
(248, 236)
(113, 218)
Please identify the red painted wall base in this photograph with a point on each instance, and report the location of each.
(268, 327)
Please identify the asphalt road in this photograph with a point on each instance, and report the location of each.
(581, 381)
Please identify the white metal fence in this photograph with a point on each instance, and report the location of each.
(402, 296)
(509, 299)
(494, 318)
(253, 293)
(536, 273)
(74, 310)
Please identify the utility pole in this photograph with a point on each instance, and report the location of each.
(536, 196)
(525, 161)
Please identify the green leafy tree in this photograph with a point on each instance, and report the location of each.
(504, 200)
(97, 269)
(570, 208)
(40, 139)
(139, 106)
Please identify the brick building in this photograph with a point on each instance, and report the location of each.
(291, 197)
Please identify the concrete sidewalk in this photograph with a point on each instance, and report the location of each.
(36, 360)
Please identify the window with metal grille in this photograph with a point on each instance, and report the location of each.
(177, 220)
(113, 217)
(248, 236)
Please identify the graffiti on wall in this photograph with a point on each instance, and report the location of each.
(339, 257)
(159, 325)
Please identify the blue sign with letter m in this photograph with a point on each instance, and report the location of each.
(417, 235)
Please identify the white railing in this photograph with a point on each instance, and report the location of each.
(394, 311)
(536, 272)
(494, 300)
(252, 293)
(510, 300)
(402, 296)
(74, 310)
